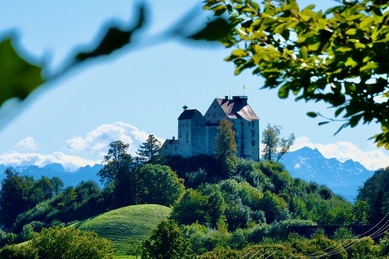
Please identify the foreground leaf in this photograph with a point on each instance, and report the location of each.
(213, 31)
(114, 39)
(18, 78)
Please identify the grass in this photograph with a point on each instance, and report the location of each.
(126, 225)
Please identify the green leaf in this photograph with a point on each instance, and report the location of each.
(238, 70)
(311, 7)
(255, 5)
(323, 122)
(355, 119)
(350, 62)
(18, 78)
(351, 31)
(213, 31)
(312, 114)
(339, 111)
(283, 92)
(340, 128)
(314, 47)
(369, 66)
(219, 9)
(366, 22)
(359, 45)
(239, 53)
(357, 16)
(304, 52)
(304, 17)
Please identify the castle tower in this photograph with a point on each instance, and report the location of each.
(197, 133)
(245, 121)
(191, 132)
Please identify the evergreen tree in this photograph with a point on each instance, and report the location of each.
(120, 172)
(149, 150)
(225, 147)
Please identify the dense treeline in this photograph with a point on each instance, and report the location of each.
(217, 213)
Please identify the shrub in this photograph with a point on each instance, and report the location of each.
(221, 253)
(18, 252)
(59, 242)
(167, 242)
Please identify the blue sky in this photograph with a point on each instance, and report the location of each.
(140, 90)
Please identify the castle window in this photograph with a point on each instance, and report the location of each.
(180, 135)
(186, 137)
(253, 143)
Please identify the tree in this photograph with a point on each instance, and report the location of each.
(43, 188)
(274, 146)
(205, 204)
(339, 56)
(149, 150)
(225, 147)
(61, 242)
(372, 199)
(119, 171)
(13, 198)
(167, 241)
(159, 184)
(57, 185)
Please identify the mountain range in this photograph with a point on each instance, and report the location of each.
(70, 178)
(343, 178)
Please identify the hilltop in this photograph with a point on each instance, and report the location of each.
(127, 225)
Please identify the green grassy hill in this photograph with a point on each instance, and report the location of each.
(126, 225)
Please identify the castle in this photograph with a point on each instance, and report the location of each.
(196, 133)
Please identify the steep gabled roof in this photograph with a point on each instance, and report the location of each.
(188, 114)
(237, 108)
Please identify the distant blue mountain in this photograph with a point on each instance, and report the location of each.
(69, 178)
(306, 163)
(343, 178)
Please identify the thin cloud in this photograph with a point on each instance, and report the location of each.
(70, 163)
(97, 141)
(27, 144)
(342, 150)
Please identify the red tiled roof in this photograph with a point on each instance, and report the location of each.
(237, 108)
